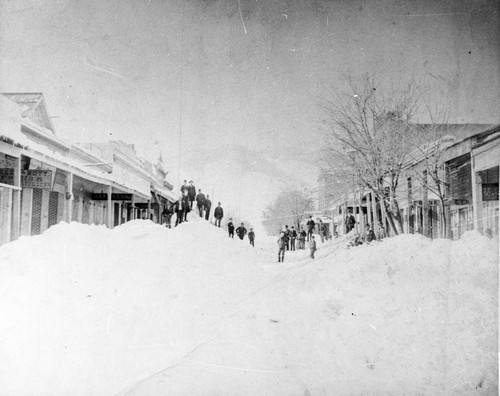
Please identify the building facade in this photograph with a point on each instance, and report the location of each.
(45, 180)
(456, 193)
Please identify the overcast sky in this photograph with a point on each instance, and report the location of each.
(247, 72)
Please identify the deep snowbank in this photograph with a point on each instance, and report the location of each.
(87, 310)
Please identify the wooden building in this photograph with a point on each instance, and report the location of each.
(45, 180)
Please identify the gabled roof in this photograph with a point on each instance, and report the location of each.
(34, 107)
(458, 131)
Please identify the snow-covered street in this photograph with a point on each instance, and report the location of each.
(144, 310)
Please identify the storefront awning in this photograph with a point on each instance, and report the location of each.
(162, 192)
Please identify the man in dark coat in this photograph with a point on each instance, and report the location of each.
(230, 228)
(180, 208)
(207, 206)
(321, 230)
(218, 214)
(191, 193)
(167, 215)
(310, 228)
(293, 237)
(241, 231)
(350, 222)
(288, 235)
(251, 237)
(282, 242)
(185, 205)
(184, 187)
(200, 202)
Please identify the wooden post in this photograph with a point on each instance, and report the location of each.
(411, 218)
(361, 221)
(132, 208)
(384, 217)
(343, 217)
(477, 199)
(447, 211)
(44, 222)
(79, 216)
(69, 197)
(16, 201)
(425, 205)
(439, 225)
(374, 209)
(369, 209)
(111, 209)
(27, 206)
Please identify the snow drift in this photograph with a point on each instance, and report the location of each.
(144, 310)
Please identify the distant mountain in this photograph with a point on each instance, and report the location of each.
(243, 179)
(245, 160)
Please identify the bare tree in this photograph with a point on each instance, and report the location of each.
(369, 134)
(288, 208)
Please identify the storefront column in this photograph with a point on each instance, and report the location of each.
(409, 211)
(447, 211)
(44, 221)
(361, 216)
(384, 217)
(111, 209)
(69, 197)
(16, 201)
(132, 208)
(91, 212)
(344, 217)
(79, 215)
(425, 206)
(369, 209)
(374, 210)
(477, 199)
(27, 205)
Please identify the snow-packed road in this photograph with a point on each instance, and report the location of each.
(143, 310)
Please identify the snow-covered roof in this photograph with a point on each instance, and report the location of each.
(170, 195)
(34, 107)
(10, 122)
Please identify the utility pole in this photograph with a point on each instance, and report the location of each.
(181, 96)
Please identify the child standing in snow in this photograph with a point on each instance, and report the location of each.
(282, 242)
(251, 237)
(230, 228)
(302, 239)
(312, 246)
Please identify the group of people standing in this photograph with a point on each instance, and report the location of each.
(288, 237)
(241, 231)
(185, 204)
